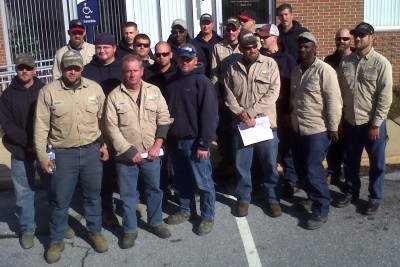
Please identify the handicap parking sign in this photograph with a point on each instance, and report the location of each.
(88, 11)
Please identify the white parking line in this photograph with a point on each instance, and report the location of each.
(247, 238)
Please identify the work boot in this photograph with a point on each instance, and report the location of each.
(242, 209)
(345, 200)
(70, 233)
(161, 231)
(53, 253)
(274, 210)
(316, 221)
(205, 227)
(27, 241)
(110, 220)
(128, 240)
(304, 205)
(177, 218)
(99, 243)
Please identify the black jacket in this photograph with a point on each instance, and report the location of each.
(192, 102)
(175, 48)
(334, 59)
(160, 79)
(109, 76)
(207, 48)
(288, 39)
(17, 109)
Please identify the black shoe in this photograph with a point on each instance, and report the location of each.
(346, 200)
(371, 208)
(316, 222)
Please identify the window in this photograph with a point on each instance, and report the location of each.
(383, 15)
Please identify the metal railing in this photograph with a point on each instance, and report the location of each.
(43, 72)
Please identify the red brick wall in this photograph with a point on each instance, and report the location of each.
(3, 60)
(324, 17)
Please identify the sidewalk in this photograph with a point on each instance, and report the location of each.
(392, 155)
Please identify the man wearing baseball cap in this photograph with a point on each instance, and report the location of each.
(252, 87)
(316, 108)
(207, 38)
(366, 82)
(192, 102)
(269, 38)
(248, 20)
(69, 118)
(76, 42)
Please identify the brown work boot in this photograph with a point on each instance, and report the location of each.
(161, 231)
(242, 209)
(53, 253)
(69, 233)
(274, 210)
(99, 243)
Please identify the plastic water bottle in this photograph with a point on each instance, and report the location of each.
(52, 156)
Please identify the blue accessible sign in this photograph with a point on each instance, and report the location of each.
(88, 11)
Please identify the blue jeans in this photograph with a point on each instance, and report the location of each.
(73, 164)
(266, 152)
(191, 173)
(23, 177)
(128, 175)
(308, 153)
(356, 139)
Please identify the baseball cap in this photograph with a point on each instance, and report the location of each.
(105, 38)
(76, 25)
(206, 16)
(187, 50)
(247, 37)
(308, 36)
(234, 21)
(248, 14)
(72, 58)
(267, 30)
(25, 59)
(363, 28)
(179, 22)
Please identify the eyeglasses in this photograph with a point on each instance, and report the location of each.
(176, 32)
(342, 38)
(231, 29)
(264, 37)
(142, 44)
(164, 54)
(188, 50)
(24, 67)
(248, 48)
(244, 20)
(359, 35)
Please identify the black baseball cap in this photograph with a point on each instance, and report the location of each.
(363, 28)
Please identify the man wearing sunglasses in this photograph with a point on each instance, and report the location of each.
(142, 48)
(335, 153)
(179, 36)
(252, 88)
(225, 53)
(316, 108)
(366, 82)
(192, 102)
(17, 105)
(77, 34)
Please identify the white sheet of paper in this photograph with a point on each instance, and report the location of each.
(145, 154)
(261, 132)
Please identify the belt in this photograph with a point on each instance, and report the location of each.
(84, 146)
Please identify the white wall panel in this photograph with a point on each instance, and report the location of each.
(383, 15)
(146, 15)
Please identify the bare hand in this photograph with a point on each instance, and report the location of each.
(47, 166)
(373, 134)
(105, 156)
(333, 136)
(137, 158)
(153, 152)
(201, 154)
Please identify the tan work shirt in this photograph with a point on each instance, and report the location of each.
(66, 118)
(131, 125)
(316, 103)
(255, 90)
(367, 86)
(223, 57)
(87, 52)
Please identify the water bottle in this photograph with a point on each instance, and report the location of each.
(52, 156)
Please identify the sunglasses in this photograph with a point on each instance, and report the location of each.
(264, 37)
(244, 20)
(164, 54)
(24, 67)
(231, 29)
(361, 35)
(176, 32)
(248, 48)
(142, 44)
(342, 38)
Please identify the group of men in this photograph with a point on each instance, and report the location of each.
(113, 110)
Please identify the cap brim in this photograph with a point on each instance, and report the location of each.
(244, 17)
(77, 29)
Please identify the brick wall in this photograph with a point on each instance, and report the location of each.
(3, 60)
(324, 17)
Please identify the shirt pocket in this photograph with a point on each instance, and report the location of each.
(60, 115)
(262, 84)
(150, 111)
(91, 113)
(123, 116)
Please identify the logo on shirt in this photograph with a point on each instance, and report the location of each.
(265, 73)
(57, 103)
(152, 97)
(92, 100)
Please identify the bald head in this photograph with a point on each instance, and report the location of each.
(163, 55)
(343, 41)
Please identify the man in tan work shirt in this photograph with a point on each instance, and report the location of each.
(137, 120)
(68, 116)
